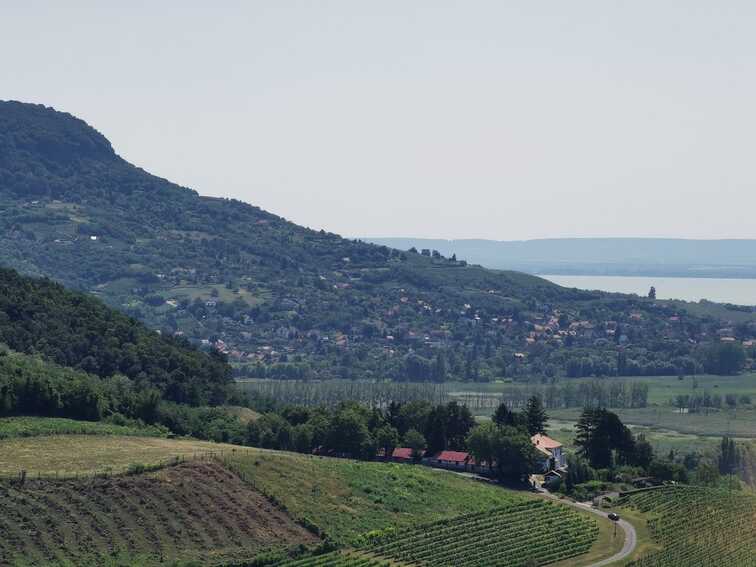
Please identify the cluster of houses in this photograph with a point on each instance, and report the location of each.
(552, 458)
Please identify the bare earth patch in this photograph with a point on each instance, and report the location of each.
(196, 510)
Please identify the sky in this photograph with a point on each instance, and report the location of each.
(467, 119)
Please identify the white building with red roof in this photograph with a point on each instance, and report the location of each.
(551, 450)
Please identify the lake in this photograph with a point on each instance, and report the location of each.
(737, 291)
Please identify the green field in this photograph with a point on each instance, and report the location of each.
(663, 440)
(697, 526)
(663, 425)
(347, 499)
(739, 423)
(67, 455)
(36, 426)
(664, 388)
(661, 388)
(205, 292)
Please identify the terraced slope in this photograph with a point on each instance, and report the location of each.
(698, 526)
(191, 511)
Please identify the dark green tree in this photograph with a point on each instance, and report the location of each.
(729, 457)
(509, 450)
(602, 438)
(503, 415)
(536, 416)
(387, 438)
(415, 441)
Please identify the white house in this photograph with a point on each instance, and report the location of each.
(553, 455)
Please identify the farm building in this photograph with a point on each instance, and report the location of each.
(455, 460)
(403, 455)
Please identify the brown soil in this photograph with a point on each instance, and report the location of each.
(196, 510)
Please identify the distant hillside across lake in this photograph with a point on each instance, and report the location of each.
(600, 256)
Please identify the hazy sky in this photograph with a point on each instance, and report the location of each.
(503, 120)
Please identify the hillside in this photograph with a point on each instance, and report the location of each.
(240, 504)
(84, 338)
(417, 515)
(187, 512)
(697, 526)
(599, 256)
(284, 301)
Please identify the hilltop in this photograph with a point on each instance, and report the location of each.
(285, 301)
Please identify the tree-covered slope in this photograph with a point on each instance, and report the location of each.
(283, 300)
(75, 330)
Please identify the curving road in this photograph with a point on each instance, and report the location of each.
(631, 538)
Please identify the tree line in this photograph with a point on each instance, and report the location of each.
(566, 394)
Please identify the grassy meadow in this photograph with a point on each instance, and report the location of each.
(661, 388)
(67, 455)
(347, 499)
(27, 426)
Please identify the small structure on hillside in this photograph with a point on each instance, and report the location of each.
(404, 455)
(454, 460)
(552, 476)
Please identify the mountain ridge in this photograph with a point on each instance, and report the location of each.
(283, 300)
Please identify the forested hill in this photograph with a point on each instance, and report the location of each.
(78, 331)
(285, 301)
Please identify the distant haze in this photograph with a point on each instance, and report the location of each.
(600, 256)
(487, 119)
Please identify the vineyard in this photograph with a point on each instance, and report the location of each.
(534, 532)
(346, 499)
(342, 559)
(189, 511)
(698, 526)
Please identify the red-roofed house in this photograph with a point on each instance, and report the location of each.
(457, 460)
(403, 455)
(551, 450)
